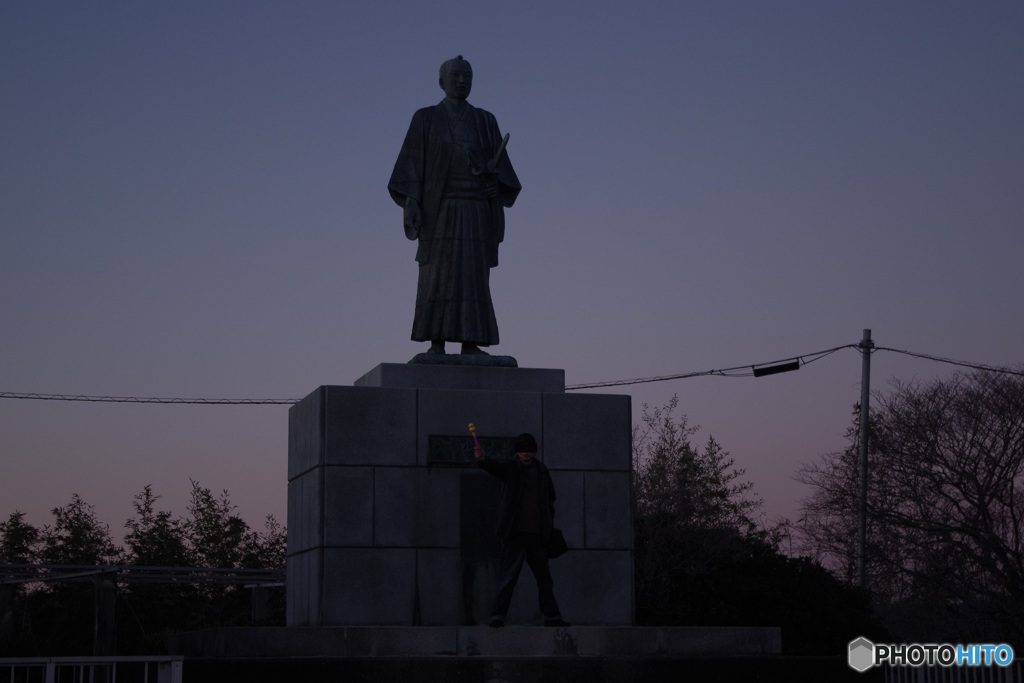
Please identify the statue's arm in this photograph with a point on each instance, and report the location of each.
(406, 184)
(412, 218)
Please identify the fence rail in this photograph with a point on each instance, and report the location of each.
(1014, 673)
(154, 669)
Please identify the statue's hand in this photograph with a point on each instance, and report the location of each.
(412, 219)
(491, 186)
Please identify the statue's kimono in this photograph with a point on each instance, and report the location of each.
(442, 165)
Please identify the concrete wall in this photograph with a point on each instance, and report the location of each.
(390, 520)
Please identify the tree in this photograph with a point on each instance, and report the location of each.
(76, 611)
(154, 538)
(217, 537)
(19, 540)
(828, 528)
(269, 548)
(703, 558)
(77, 536)
(62, 615)
(683, 485)
(945, 507)
(691, 510)
(148, 612)
(19, 543)
(211, 536)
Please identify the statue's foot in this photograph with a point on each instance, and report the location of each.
(436, 347)
(473, 350)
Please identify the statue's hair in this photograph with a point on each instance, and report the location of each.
(449, 64)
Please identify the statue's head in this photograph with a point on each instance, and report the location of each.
(456, 78)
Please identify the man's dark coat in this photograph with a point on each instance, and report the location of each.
(513, 475)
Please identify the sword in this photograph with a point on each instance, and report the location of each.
(492, 166)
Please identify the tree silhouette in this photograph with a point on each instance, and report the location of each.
(150, 584)
(945, 507)
(703, 559)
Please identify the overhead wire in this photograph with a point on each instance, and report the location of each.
(745, 370)
(150, 399)
(950, 361)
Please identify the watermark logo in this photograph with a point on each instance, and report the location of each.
(862, 654)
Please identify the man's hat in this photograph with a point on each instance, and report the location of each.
(525, 443)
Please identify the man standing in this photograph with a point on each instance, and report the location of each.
(453, 179)
(525, 521)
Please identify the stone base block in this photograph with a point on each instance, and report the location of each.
(392, 523)
(477, 641)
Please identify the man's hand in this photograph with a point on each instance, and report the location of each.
(478, 452)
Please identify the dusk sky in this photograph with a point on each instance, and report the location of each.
(193, 203)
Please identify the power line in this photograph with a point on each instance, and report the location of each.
(746, 370)
(736, 371)
(950, 361)
(138, 399)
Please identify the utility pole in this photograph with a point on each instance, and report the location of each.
(865, 346)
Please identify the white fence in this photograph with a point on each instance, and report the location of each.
(956, 674)
(91, 670)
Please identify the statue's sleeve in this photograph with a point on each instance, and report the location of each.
(407, 176)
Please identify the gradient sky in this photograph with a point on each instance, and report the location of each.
(193, 204)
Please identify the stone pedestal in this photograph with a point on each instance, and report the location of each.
(390, 521)
(356, 642)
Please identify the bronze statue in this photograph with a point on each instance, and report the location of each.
(453, 179)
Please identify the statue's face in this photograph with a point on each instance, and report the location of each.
(457, 81)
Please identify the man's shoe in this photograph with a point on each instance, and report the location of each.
(496, 623)
(557, 621)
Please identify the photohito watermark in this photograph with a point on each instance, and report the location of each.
(863, 654)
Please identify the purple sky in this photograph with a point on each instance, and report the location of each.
(193, 204)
